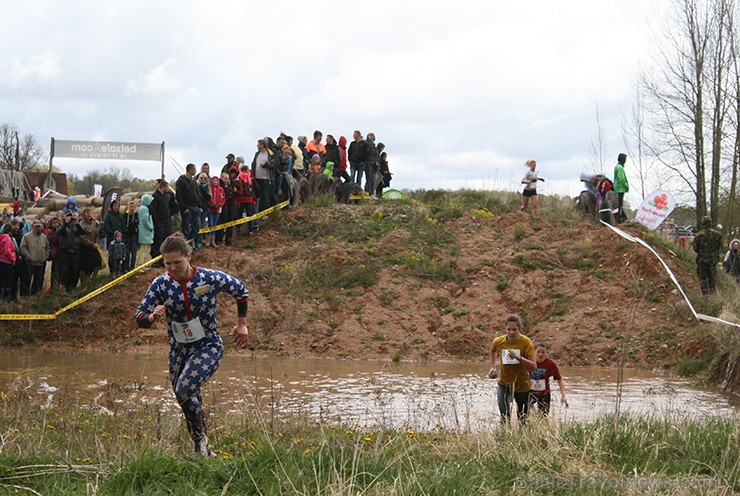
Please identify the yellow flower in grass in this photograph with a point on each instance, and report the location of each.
(411, 433)
(482, 213)
(86, 459)
(307, 451)
(223, 454)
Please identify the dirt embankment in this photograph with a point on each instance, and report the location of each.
(580, 287)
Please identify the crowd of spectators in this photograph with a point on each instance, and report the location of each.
(78, 245)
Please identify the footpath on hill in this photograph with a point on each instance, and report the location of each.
(403, 281)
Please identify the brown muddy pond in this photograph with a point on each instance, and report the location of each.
(415, 395)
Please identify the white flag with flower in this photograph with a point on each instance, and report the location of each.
(655, 208)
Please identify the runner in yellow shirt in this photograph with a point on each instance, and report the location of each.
(515, 353)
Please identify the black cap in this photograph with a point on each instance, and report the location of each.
(230, 155)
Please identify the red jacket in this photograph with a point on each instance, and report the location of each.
(247, 180)
(218, 198)
(343, 149)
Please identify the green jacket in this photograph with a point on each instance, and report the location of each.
(620, 180)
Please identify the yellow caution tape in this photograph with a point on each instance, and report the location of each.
(111, 284)
(30, 316)
(133, 272)
(244, 220)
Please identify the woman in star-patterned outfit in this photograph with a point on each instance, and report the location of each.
(186, 296)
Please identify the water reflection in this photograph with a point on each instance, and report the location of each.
(414, 395)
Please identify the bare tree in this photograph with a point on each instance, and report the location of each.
(19, 153)
(734, 113)
(635, 137)
(597, 155)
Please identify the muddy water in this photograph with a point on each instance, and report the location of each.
(420, 396)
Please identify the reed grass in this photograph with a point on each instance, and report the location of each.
(67, 447)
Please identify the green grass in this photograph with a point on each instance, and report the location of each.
(689, 367)
(71, 450)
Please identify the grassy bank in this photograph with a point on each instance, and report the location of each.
(67, 448)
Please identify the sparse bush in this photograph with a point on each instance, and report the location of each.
(520, 231)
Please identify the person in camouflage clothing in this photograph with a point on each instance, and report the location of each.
(707, 245)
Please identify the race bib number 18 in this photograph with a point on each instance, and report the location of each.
(188, 332)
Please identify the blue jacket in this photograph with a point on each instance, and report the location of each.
(146, 223)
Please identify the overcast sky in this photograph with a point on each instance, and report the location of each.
(461, 93)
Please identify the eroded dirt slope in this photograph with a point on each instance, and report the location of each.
(430, 293)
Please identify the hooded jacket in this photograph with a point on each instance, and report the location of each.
(731, 263)
(114, 221)
(218, 197)
(620, 179)
(70, 207)
(146, 223)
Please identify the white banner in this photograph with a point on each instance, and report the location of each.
(655, 208)
(698, 316)
(113, 150)
(97, 190)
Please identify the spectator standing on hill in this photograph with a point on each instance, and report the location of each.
(262, 165)
(233, 198)
(21, 273)
(204, 197)
(215, 205)
(530, 186)
(515, 353)
(116, 254)
(186, 297)
(333, 155)
(302, 141)
(70, 238)
(314, 147)
(707, 245)
(297, 155)
(131, 235)
(371, 164)
(8, 257)
(230, 162)
(113, 221)
(383, 177)
(90, 259)
(621, 186)
(51, 233)
(162, 208)
(247, 201)
(146, 230)
(342, 169)
(226, 213)
(35, 250)
(357, 155)
(540, 380)
(188, 200)
(731, 263)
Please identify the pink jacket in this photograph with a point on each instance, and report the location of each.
(7, 249)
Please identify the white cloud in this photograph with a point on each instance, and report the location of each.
(460, 94)
(37, 70)
(156, 81)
